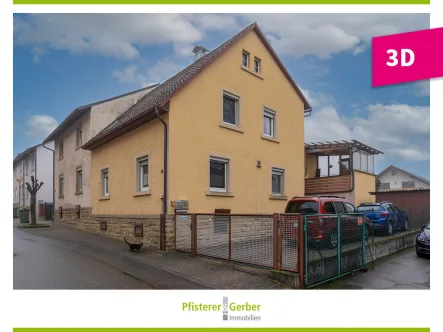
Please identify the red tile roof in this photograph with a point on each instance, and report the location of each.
(159, 97)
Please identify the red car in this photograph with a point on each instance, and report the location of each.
(322, 228)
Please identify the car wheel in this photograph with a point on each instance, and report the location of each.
(390, 228)
(333, 239)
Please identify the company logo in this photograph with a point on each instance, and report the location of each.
(236, 311)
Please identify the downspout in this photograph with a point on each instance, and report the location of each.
(53, 179)
(165, 161)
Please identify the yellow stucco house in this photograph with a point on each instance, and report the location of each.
(226, 132)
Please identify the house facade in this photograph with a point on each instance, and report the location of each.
(341, 168)
(393, 178)
(72, 165)
(35, 161)
(224, 134)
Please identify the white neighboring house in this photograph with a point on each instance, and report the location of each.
(35, 161)
(394, 178)
(72, 165)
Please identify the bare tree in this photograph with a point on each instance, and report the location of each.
(33, 188)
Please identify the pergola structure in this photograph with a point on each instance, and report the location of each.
(339, 147)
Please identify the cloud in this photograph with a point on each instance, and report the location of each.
(40, 126)
(323, 35)
(127, 75)
(319, 99)
(158, 73)
(401, 131)
(422, 88)
(122, 36)
(112, 35)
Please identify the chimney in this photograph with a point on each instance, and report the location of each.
(199, 51)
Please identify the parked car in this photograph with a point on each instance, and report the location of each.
(385, 216)
(423, 241)
(321, 227)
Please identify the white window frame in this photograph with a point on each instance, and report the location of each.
(78, 186)
(257, 65)
(142, 162)
(281, 172)
(105, 183)
(226, 163)
(27, 167)
(237, 106)
(267, 113)
(247, 59)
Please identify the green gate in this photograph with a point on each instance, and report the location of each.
(334, 246)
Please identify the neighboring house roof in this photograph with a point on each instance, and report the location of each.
(324, 146)
(160, 96)
(22, 155)
(79, 111)
(404, 171)
(398, 191)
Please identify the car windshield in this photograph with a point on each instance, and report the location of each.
(428, 226)
(370, 208)
(302, 207)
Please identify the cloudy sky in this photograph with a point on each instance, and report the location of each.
(62, 61)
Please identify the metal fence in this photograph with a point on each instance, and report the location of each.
(270, 240)
(319, 247)
(335, 246)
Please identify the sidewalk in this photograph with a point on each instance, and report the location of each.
(200, 272)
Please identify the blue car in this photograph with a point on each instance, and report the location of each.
(385, 216)
(423, 241)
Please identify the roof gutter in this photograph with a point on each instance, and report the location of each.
(165, 161)
(308, 112)
(53, 179)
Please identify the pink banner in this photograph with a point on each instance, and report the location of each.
(407, 57)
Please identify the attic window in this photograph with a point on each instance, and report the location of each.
(245, 59)
(257, 65)
(394, 172)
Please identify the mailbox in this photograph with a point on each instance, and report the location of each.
(77, 208)
(181, 206)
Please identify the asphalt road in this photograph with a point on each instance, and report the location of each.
(403, 270)
(40, 263)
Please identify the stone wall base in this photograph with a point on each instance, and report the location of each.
(121, 226)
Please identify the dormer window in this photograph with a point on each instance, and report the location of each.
(245, 59)
(257, 65)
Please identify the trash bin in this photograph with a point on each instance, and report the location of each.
(24, 216)
(15, 212)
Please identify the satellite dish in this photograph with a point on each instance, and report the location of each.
(19, 179)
